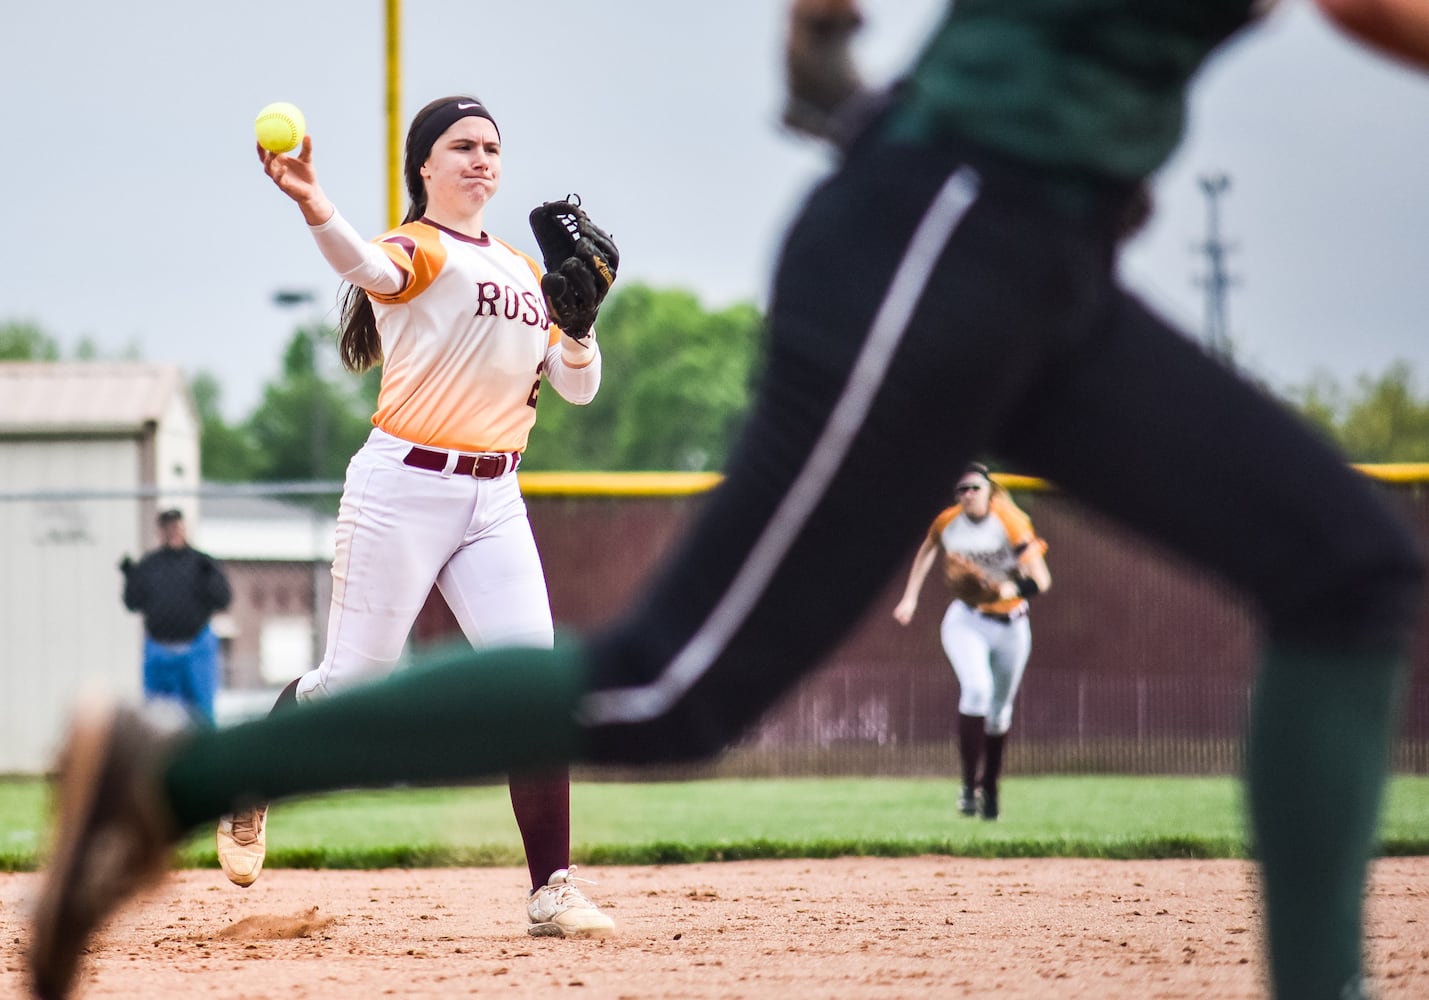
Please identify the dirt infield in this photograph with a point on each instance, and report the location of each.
(867, 929)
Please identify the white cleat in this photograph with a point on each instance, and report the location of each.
(560, 909)
(242, 845)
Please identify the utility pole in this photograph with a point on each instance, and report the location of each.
(320, 585)
(292, 298)
(1216, 281)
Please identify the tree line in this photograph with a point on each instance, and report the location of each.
(677, 381)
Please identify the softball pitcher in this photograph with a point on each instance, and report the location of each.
(458, 321)
(993, 561)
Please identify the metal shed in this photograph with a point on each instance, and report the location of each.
(89, 453)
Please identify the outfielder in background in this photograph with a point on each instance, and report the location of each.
(993, 562)
(178, 589)
(458, 320)
(961, 260)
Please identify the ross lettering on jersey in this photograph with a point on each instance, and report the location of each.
(534, 314)
(488, 294)
(993, 563)
(496, 299)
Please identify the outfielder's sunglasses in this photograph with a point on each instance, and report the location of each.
(967, 489)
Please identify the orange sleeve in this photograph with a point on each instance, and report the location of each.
(1017, 525)
(942, 521)
(417, 251)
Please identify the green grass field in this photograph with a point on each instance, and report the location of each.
(649, 823)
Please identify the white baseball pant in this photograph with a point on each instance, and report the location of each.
(399, 530)
(988, 657)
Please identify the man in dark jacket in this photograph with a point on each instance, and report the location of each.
(178, 588)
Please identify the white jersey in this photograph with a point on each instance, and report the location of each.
(995, 544)
(986, 543)
(464, 342)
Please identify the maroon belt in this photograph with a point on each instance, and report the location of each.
(476, 466)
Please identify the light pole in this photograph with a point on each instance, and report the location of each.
(320, 576)
(287, 298)
(1216, 282)
(292, 298)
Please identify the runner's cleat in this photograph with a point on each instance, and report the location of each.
(113, 837)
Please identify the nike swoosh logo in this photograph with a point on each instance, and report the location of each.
(463, 107)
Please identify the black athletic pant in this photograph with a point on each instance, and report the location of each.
(927, 311)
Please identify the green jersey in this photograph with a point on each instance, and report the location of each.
(1086, 88)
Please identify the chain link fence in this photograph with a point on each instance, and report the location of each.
(1152, 676)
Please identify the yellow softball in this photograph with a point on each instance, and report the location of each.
(280, 127)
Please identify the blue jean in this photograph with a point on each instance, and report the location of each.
(184, 671)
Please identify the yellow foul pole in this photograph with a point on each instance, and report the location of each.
(394, 113)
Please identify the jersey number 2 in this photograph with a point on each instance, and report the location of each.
(536, 386)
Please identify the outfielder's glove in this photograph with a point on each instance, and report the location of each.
(967, 583)
(581, 261)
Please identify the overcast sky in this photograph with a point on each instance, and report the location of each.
(138, 216)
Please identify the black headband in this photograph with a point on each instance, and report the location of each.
(444, 118)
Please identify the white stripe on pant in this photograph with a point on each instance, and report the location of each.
(936, 228)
